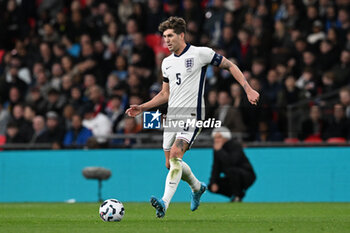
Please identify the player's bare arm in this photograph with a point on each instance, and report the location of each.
(161, 98)
(253, 96)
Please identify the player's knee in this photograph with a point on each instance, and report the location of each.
(175, 165)
(175, 152)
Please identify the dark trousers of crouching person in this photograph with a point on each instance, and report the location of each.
(232, 174)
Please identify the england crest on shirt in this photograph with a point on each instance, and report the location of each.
(189, 62)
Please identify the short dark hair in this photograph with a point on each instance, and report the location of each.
(12, 124)
(176, 23)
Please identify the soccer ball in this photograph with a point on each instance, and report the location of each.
(112, 210)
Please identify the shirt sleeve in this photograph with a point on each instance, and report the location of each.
(208, 56)
(164, 73)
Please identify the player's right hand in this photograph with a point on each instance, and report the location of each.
(214, 188)
(134, 110)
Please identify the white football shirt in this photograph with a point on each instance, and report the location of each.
(185, 74)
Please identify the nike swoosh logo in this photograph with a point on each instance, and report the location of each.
(167, 67)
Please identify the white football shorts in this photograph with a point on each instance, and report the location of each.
(175, 131)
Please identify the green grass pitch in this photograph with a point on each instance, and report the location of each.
(210, 217)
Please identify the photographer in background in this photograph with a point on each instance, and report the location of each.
(232, 174)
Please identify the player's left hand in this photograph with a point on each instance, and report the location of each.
(253, 96)
(134, 110)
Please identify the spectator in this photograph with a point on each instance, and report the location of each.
(4, 118)
(113, 35)
(307, 82)
(112, 82)
(121, 67)
(66, 86)
(77, 27)
(78, 135)
(310, 61)
(174, 9)
(267, 132)
(244, 48)
(229, 116)
(230, 160)
(40, 132)
(76, 99)
(229, 42)
(192, 12)
(29, 114)
(239, 13)
(290, 93)
(344, 19)
(338, 125)
(127, 43)
(314, 126)
(334, 37)
(13, 80)
(46, 57)
(49, 34)
(55, 101)
(259, 69)
(331, 17)
(89, 81)
(237, 95)
(328, 56)
(328, 82)
(23, 71)
(99, 124)
(12, 133)
(42, 82)
(142, 54)
(344, 96)
(342, 69)
(212, 25)
(25, 129)
(253, 114)
(281, 42)
(115, 111)
(125, 9)
(54, 129)
(68, 112)
(311, 18)
(97, 98)
(35, 99)
(317, 34)
(272, 87)
(56, 76)
(212, 104)
(154, 16)
(61, 23)
(130, 127)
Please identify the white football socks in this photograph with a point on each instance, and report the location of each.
(189, 177)
(172, 180)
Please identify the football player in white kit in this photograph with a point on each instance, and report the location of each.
(183, 90)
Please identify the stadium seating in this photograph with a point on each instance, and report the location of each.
(2, 140)
(291, 140)
(155, 41)
(336, 140)
(313, 139)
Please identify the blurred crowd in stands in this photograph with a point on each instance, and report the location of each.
(69, 69)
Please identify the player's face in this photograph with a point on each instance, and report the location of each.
(173, 40)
